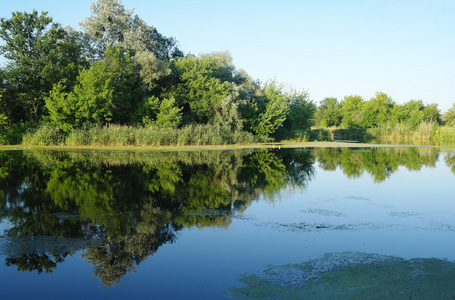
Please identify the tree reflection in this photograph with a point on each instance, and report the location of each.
(380, 163)
(35, 262)
(450, 161)
(118, 208)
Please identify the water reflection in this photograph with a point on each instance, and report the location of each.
(380, 163)
(120, 208)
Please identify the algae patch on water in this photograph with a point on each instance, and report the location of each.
(352, 275)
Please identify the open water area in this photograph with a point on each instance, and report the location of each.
(308, 223)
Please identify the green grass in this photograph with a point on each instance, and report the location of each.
(122, 135)
(207, 135)
(399, 132)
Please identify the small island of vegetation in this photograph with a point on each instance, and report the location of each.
(119, 81)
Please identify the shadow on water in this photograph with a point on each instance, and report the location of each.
(120, 208)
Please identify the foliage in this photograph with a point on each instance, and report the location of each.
(328, 113)
(376, 111)
(39, 53)
(449, 116)
(203, 85)
(104, 93)
(112, 24)
(414, 112)
(168, 116)
(351, 111)
(274, 113)
(301, 111)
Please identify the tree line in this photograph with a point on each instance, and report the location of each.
(119, 70)
(355, 112)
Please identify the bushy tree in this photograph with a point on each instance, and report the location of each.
(169, 116)
(351, 110)
(111, 24)
(449, 116)
(414, 112)
(301, 111)
(39, 54)
(106, 92)
(376, 111)
(431, 113)
(274, 113)
(201, 85)
(328, 112)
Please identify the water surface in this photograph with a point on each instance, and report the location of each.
(219, 224)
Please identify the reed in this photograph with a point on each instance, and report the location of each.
(405, 132)
(446, 133)
(122, 135)
(45, 135)
(390, 132)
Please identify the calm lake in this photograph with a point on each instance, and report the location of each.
(319, 223)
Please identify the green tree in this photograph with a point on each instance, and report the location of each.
(275, 112)
(203, 84)
(107, 92)
(112, 24)
(351, 111)
(301, 111)
(39, 53)
(431, 113)
(328, 112)
(377, 110)
(169, 116)
(449, 116)
(414, 112)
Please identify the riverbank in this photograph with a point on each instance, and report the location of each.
(316, 144)
(425, 133)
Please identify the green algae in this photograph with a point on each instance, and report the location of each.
(342, 276)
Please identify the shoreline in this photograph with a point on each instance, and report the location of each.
(168, 148)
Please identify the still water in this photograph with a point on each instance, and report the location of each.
(329, 223)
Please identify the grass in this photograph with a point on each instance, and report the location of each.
(122, 135)
(425, 132)
(211, 135)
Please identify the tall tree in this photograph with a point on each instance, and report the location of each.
(301, 111)
(39, 54)
(275, 112)
(202, 85)
(107, 92)
(377, 110)
(351, 108)
(112, 24)
(449, 116)
(328, 113)
(431, 113)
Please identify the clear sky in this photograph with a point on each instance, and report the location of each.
(330, 48)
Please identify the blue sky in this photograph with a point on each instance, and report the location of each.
(329, 48)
